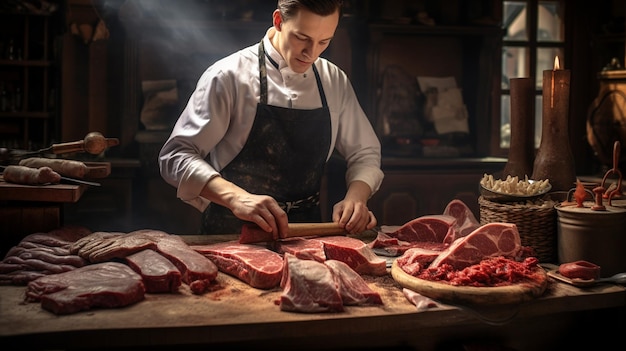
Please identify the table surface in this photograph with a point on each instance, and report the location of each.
(236, 314)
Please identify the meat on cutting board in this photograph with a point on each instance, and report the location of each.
(158, 273)
(40, 254)
(433, 228)
(490, 240)
(390, 246)
(308, 286)
(101, 285)
(466, 222)
(354, 252)
(302, 248)
(415, 259)
(256, 265)
(197, 271)
(352, 287)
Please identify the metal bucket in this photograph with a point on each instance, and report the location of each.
(595, 236)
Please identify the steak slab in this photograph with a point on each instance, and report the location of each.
(490, 240)
(104, 285)
(158, 273)
(259, 267)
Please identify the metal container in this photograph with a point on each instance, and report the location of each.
(594, 236)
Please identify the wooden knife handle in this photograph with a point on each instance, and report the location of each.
(314, 229)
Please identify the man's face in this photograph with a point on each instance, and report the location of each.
(304, 37)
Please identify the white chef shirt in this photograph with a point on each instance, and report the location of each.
(220, 112)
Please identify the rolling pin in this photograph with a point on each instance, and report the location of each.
(251, 233)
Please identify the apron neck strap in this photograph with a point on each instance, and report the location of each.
(263, 78)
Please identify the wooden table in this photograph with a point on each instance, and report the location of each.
(240, 316)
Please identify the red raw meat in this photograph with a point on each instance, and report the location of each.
(416, 259)
(105, 285)
(354, 252)
(396, 247)
(490, 240)
(352, 287)
(193, 265)
(466, 222)
(306, 249)
(158, 273)
(253, 264)
(309, 286)
(433, 228)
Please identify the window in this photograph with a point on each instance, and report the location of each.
(533, 37)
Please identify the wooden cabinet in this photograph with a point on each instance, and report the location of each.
(28, 90)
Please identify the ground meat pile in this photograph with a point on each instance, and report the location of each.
(495, 271)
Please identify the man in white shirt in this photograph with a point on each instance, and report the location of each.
(252, 142)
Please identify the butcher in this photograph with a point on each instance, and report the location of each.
(253, 140)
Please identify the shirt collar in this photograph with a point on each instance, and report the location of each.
(274, 56)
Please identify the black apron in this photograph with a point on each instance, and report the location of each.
(284, 157)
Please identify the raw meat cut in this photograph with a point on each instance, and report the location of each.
(306, 249)
(420, 301)
(390, 246)
(104, 246)
(101, 285)
(433, 228)
(352, 287)
(259, 267)
(40, 254)
(466, 222)
(416, 259)
(308, 286)
(193, 265)
(354, 252)
(158, 273)
(490, 240)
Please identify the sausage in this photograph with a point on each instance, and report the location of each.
(68, 168)
(580, 269)
(30, 176)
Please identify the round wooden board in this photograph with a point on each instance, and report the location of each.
(472, 295)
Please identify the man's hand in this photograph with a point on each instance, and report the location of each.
(352, 212)
(260, 209)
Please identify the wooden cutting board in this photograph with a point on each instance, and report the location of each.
(472, 295)
(41, 193)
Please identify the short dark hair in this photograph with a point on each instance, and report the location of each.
(288, 8)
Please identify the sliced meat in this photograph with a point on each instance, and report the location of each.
(159, 275)
(104, 246)
(389, 246)
(466, 222)
(193, 265)
(256, 265)
(308, 286)
(30, 176)
(420, 301)
(102, 285)
(433, 228)
(490, 240)
(355, 253)
(302, 248)
(352, 287)
(197, 271)
(416, 259)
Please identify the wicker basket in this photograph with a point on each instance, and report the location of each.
(536, 223)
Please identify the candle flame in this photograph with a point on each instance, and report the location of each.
(556, 64)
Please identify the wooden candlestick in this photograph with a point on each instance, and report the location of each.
(522, 146)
